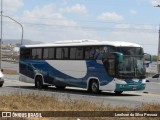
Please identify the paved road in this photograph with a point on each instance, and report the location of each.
(153, 88)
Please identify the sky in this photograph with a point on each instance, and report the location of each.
(47, 21)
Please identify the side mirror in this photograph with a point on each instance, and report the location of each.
(120, 56)
(150, 57)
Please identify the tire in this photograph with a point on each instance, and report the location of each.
(45, 86)
(94, 87)
(118, 92)
(60, 87)
(38, 82)
(1, 84)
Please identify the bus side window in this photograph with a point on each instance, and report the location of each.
(25, 54)
(79, 53)
(51, 53)
(59, 54)
(65, 54)
(34, 52)
(89, 52)
(72, 53)
(48, 53)
(37, 53)
(92, 53)
(76, 53)
(45, 53)
(99, 53)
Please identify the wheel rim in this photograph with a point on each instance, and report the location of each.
(38, 84)
(94, 87)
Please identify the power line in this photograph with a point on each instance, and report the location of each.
(82, 20)
(131, 28)
(135, 30)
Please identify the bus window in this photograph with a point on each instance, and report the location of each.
(72, 53)
(45, 53)
(51, 53)
(76, 53)
(90, 52)
(37, 53)
(65, 53)
(59, 53)
(99, 53)
(25, 54)
(48, 53)
(79, 53)
(33, 53)
(62, 53)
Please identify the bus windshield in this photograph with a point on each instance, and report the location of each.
(130, 50)
(133, 62)
(132, 67)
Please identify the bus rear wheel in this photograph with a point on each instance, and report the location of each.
(94, 87)
(38, 82)
(118, 92)
(1, 84)
(60, 87)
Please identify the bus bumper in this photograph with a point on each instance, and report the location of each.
(130, 87)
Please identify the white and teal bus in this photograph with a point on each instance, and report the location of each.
(89, 64)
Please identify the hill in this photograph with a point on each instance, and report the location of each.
(14, 42)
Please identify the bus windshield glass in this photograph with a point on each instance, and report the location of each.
(132, 67)
(130, 50)
(133, 63)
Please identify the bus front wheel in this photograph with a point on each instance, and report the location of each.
(94, 86)
(38, 82)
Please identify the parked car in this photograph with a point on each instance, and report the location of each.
(154, 78)
(1, 79)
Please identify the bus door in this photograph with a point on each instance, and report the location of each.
(111, 61)
(110, 64)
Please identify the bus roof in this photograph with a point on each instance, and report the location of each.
(85, 42)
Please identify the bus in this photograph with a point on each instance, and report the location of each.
(89, 64)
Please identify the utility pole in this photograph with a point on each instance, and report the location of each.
(1, 38)
(2, 33)
(158, 60)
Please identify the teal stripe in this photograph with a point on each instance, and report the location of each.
(130, 87)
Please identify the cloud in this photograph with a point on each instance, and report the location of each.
(46, 24)
(147, 40)
(133, 12)
(45, 11)
(110, 16)
(155, 2)
(77, 8)
(145, 35)
(11, 6)
(46, 15)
